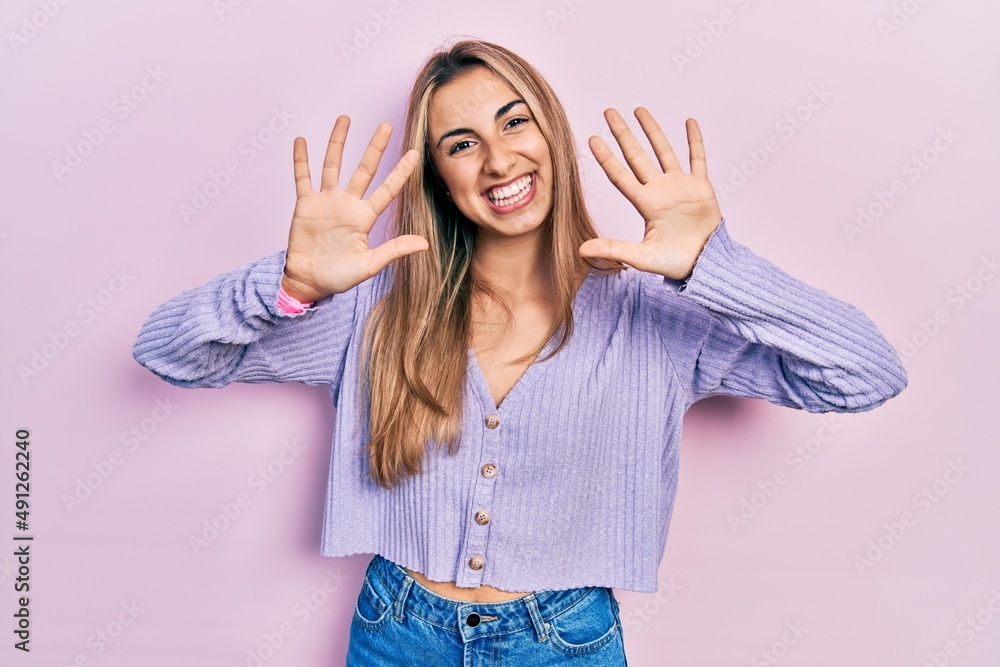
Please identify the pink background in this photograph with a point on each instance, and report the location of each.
(726, 595)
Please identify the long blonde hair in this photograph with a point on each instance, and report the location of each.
(416, 341)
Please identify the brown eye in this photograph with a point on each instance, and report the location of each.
(455, 148)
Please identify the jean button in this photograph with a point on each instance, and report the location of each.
(472, 619)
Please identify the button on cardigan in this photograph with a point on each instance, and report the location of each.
(577, 467)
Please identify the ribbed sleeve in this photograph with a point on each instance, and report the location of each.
(231, 330)
(768, 335)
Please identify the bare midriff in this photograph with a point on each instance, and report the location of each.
(448, 589)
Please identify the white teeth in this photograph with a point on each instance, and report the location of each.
(515, 192)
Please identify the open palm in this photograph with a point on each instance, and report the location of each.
(328, 250)
(680, 210)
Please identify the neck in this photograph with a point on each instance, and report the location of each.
(520, 265)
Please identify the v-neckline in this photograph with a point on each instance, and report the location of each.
(523, 383)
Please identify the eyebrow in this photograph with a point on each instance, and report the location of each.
(499, 114)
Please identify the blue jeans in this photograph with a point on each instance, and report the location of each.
(398, 621)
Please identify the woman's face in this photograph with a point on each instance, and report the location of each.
(482, 136)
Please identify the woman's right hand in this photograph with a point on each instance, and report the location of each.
(328, 249)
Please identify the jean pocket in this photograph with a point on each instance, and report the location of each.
(588, 625)
(374, 606)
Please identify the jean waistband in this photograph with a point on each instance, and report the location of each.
(472, 618)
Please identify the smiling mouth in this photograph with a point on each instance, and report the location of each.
(508, 197)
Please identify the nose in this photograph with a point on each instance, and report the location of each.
(499, 161)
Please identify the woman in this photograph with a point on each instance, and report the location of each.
(506, 477)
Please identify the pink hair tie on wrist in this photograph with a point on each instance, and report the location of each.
(291, 305)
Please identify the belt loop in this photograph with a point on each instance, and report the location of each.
(400, 603)
(541, 627)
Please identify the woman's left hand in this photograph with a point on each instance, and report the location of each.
(680, 210)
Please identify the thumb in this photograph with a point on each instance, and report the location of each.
(395, 248)
(613, 249)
